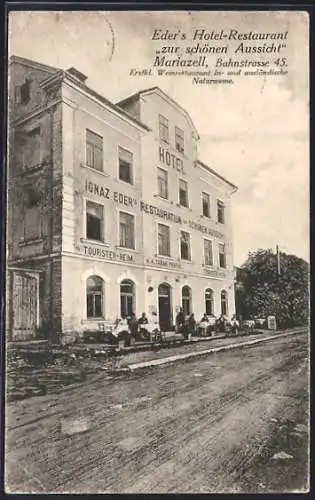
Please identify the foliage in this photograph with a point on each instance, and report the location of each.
(261, 291)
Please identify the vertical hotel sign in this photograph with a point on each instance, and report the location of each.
(170, 159)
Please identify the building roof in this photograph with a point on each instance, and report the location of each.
(34, 64)
(79, 79)
(137, 95)
(203, 165)
(107, 102)
(150, 90)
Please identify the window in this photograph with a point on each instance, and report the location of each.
(185, 246)
(34, 133)
(24, 93)
(222, 259)
(126, 230)
(125, 165)
(31, 150)
(94, 221)
(209, 301)
(205, 205)
(224, 303)
(162, 183)
(32, 223)
(220, 209)
(94, 297)
(94, 150)
(127, 292)
(183, 193)
(186, 300)
(179, 140)
(208, 252)
(163, 128)
(32, 216)
(164, 246)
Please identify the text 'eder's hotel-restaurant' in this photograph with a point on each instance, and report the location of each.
(109, 209)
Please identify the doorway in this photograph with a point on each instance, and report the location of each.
(23, 305)
(165, 309)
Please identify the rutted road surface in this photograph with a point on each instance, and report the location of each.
(211, 424)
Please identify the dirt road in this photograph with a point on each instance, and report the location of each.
(212, 424)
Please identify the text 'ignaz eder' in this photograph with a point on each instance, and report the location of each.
(199, 49)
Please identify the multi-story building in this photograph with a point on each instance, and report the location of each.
(109, 209)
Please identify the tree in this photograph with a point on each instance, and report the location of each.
(260, 291)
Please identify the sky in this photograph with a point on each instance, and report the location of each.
(254, 132)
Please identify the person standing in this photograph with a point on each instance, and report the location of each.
(180, 319)
(222, 324)
(235, 325)
(191, 324)
(203, 325)
(212, 323)
(133, 326)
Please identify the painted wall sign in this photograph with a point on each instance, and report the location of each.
(170, 159)
(213, 272)
(105, 192)
(107, 254)
(204, 229)
(163, 263)
(129, 201)
(163, 214)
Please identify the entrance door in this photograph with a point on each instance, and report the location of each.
(165, 311)
(24, 306)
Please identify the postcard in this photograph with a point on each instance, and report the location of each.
(157, 277)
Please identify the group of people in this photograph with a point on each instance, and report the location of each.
(142, 325)
(206, 326)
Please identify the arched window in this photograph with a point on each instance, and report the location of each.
(224, 303)
(209, 301)
(186, 300)
(127, 296)
(95, 297)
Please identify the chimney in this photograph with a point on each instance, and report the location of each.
(77, 74)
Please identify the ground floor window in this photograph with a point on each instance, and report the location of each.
(224, 303)
(94, 297)
(186, 300)
(209, 301)
(127, 298)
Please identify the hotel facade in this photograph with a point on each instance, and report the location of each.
(110, 211)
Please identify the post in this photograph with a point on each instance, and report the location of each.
(278, 287)
(278, 260)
